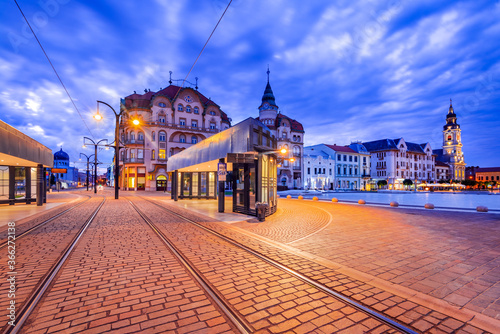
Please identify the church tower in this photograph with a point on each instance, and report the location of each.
(268, 110)
(452, 146)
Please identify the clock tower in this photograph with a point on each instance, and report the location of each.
(268, 109)
(452, 146)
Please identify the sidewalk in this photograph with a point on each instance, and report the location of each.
(10, 213)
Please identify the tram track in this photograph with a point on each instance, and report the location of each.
(30, 303)
(239, 320)
(37, 226)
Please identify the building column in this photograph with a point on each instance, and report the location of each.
(39, 185)
(221, 188)
(12, 185)
(27, 178)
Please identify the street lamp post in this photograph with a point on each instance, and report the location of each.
(117, 146)
(88, 158)
(95, 156)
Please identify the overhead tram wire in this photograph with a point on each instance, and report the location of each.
(209, 37)
(57, 74)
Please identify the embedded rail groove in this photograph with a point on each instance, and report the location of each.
(33, 300)
(239, 322)
(360, 307)
(31, 229)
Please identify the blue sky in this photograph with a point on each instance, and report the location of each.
(347, 70)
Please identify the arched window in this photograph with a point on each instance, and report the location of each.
(212, 112)
(180, 107)
(284, 135)
(182, 139)
(162, 136)
(194, 140)
(132, 137)
(449, 137)
(188, 108)
(196, 110)
(153, 155)
(140, 136)
(161, 104)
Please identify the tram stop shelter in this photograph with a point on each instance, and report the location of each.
(22, 167)
(244, 156)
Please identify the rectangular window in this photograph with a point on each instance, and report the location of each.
(324, 171)
(182, 122)
(355, 159)
(212, 126)
(315, 171)
(339, 157)
(350, 158)
(194, 124)
(309, 170)
(161, 154)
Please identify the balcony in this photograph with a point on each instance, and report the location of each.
(183, 127)
(134, 142)
(133, 160)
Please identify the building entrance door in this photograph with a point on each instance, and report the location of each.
(244, 190)
(161, 183)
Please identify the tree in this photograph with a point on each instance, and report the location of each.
(407, 182)
(381, 183)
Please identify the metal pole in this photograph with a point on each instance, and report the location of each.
(117, 147)
(95, 170)
(88, 173)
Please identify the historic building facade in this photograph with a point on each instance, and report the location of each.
(395, 160)
(451, 153)
(170, 120)
(71, 177)
(333, 167)
(290, 135)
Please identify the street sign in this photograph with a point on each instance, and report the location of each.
(221, 171)
(59, 170)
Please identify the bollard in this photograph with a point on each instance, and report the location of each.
(335, 200)
(394, 204)
(315, 198)
(288, 196)
(482, 209)
(300, 197)
(361, 201)
(429, 206)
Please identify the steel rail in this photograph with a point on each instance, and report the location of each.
(31, 229)
(240, 323)
(33, 300)
(384, 319)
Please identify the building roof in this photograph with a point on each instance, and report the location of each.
(392, 144)
(441, 164)
(61, 155)
(341, 148)
(171, 92)
(295, 125)
(487, 169)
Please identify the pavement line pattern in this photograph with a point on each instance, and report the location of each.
(238, 321)
(296, 274)
(35, 298)
(315, 232)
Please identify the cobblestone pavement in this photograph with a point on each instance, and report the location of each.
(451, 257)
(38, 251)
(270, 299)
(121, 278)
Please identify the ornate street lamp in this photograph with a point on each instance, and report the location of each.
(86, 141)
(88, 158)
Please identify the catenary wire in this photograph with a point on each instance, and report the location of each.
(57, 74)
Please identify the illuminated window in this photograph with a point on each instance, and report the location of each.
(161, 154)
(153, 155)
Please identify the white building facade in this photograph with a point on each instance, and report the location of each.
(395, 160)
(333, 167)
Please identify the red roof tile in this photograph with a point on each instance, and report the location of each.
(341, 148)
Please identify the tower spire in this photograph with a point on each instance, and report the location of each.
(450, 103)
(268, 73)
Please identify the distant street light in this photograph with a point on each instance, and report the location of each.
(92, 142)
(88, 158)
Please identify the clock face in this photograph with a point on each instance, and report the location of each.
(188, 99)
